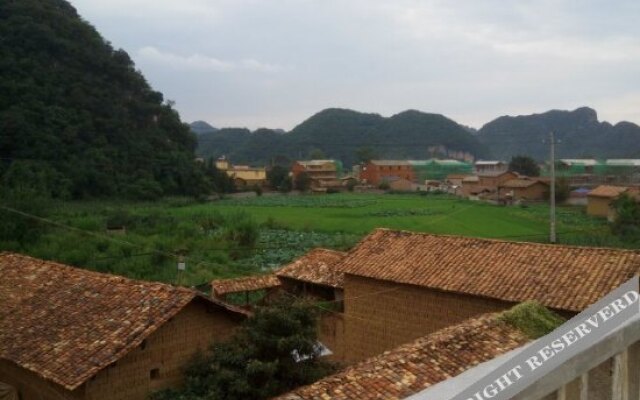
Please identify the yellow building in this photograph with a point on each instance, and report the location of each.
(243, 175)
(599, 200)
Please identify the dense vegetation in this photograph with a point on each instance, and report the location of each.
(627, 222)
(274, 352)
(77, 116)
(579, 133)
(234, 237)
(345, 135)
(524, 165)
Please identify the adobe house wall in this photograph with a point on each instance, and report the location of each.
(331, 331)
(30, 386)
(400, 313)
(165, 352)
(598, 206)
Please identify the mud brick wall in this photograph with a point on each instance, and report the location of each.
(380, 315)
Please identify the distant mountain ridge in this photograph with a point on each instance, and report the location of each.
(578, 132)
(200, 127)
(342, 134)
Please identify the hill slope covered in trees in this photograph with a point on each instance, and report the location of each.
(579, 133)
(76, 118)
(345, 135)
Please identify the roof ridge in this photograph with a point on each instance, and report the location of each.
(500, 240)
(67, 267)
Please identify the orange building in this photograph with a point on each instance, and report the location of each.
(375, 172)
(323, 173)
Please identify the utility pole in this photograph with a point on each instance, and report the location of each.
(552, 216)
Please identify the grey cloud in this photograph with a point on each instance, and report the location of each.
(273, 63)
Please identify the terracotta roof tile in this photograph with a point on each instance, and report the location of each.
(245, 284)
(561, 277)
(66, 324)
(522, 183)
(319, 266)
(413, 367)
(607, 191)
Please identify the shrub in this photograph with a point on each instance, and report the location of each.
(274, 352)
(241, 229)
(532, 319)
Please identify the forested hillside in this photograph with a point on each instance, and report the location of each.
(345, 135)
(76, 118)
(579, 133)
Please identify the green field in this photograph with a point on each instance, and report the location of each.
(286, 226)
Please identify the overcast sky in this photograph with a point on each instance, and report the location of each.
(262, 63)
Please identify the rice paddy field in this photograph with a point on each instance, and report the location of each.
(239, 236)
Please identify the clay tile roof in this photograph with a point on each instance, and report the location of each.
(495, 174)
(245, 284)
(607, 191)
(457, 176)
(522, 183)
(66, 324)
(413, 367)
(561, 277)
(318, 266)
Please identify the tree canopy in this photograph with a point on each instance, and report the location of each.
(524, 165)
(274, 352)
(78, 107)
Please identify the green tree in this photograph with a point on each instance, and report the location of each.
(274, 352)
(90, 118)
(365, 154)
(317, 154)
(627, 222)
(25, 193)
(220, 181)
(562, 189)
(277, 176)
(524, 165)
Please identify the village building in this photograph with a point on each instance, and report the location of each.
(323, 174)
(402, 185)
(486, 186)
(223, 289)
(315, 274)
(243, 175)
(490, 167)
(455, 179)
(375, 172)
(419, 364)
(400, 285)
(527, 189)
(69, 333)
(470, 186)
(600, 200)
(442, 364)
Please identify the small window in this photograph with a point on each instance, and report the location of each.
(154, 373)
